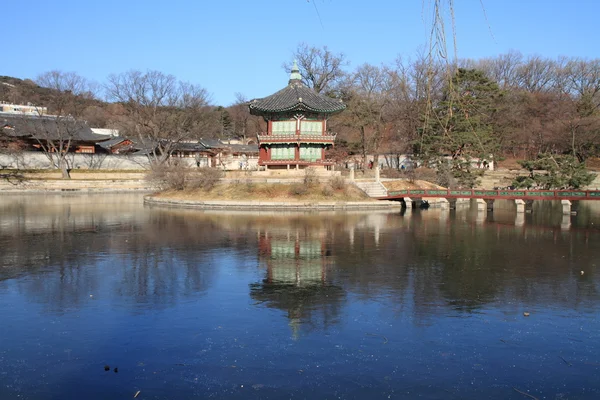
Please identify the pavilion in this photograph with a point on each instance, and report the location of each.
(296, 117)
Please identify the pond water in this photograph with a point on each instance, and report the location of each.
(180, 304)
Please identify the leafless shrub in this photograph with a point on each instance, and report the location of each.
(205, 179)
(327, 191)
(338, 183)
(298, 190)
(168, 177)
(310, 177)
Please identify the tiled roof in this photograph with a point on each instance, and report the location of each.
(211, 143)
(51, 128)
(296, 97)
(236, 148)
(185, 146)
(112, 142)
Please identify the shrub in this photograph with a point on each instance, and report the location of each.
(310, 177)
(327, 191)
(205, 179)
(168, 176)
(338, 183)
(298, 190)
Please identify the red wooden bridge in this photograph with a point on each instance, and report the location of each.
(495, 194)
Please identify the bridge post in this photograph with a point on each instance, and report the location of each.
(529, 206)
(408, 203)
(520, 218)
(566, 207)
(481, 204)
(351, 177)
(565, 224)
(452, 203)
(520, 206)
(444, 203)
(481, 216)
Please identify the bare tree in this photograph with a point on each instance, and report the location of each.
(536, 74)
(56, 132)
(367, 97)
(160, 111)
(580, 86)
(503, 69)
(321, 69)
(245, 125)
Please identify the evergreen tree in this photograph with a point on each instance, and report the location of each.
(460, 128)
(554, 172)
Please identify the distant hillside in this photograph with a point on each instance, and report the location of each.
(19, 91)
(24, 91)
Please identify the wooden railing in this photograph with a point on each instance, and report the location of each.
(294, 162)
(295, 138)
(499, 194)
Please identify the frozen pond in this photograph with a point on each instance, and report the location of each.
(185, 304)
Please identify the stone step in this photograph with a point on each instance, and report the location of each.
(372, 189)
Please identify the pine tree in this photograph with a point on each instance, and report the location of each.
(460, 128)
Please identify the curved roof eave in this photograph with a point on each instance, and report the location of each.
(296, 97)
(297, 107)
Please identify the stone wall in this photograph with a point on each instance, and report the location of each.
(39, 160)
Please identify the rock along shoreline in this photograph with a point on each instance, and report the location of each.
(274, 205)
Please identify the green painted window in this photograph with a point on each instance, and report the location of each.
(283, 249)
(282, 152)
(310, 249)
(284, 127)
(311, 128)
(310, 152)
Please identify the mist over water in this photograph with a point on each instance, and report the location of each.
(423, 304)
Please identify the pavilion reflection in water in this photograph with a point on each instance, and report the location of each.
(298, 265)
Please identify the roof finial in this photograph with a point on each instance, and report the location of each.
(295, 76)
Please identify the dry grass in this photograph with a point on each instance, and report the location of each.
(270, 192)
(405, 184)
(593, 164)
(509, 163)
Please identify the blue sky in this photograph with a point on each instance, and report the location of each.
(231, 46)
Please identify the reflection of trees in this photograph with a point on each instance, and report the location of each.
(297, 263)
(424, 263)
(482, 264)
(77, 246)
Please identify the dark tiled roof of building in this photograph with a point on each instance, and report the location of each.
(187, 146)
(235, 148)
(112, 142)
(50, 128)
(296, 97)
(212, 143)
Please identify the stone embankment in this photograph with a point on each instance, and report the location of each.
(80, 182)
(274, 205)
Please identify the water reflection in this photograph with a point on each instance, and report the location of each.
(198, 304)
(297, 263)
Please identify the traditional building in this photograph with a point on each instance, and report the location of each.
(50, 133)
(296, 119)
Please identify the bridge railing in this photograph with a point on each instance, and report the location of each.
(500, 194)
